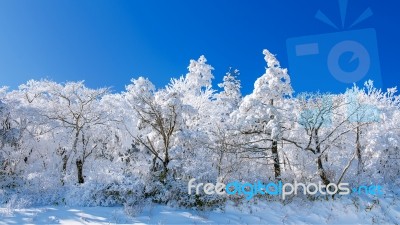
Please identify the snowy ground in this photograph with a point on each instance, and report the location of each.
(345, 211)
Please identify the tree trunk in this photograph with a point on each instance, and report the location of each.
(64, 168)
(64, 163)
(166, 159)
(275, 155)
(358, 151)
(165, 165)
(79, 167)
(154, 165)
(220, 163)
(321, 171)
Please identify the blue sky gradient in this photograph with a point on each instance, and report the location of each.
(106, 43)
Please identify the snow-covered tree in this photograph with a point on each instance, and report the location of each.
(230, 97)
(199, 76)
(160, 121)
(74, 108)
(259, 113)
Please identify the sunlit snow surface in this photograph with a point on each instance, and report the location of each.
(344, 211)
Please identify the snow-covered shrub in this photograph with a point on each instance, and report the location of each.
(129, 191)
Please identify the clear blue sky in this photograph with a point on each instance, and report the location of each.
(106, 43)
